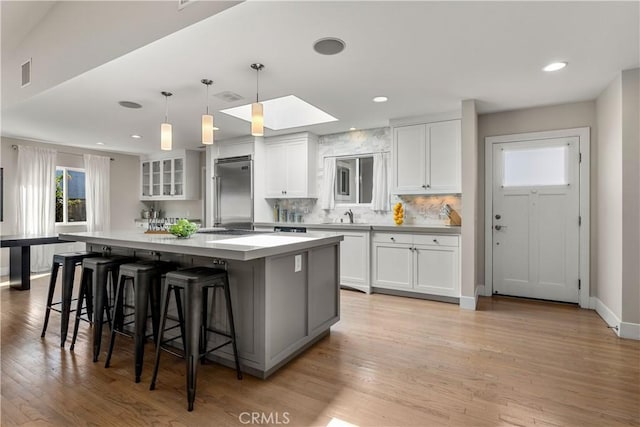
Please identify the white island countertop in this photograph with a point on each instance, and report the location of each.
(241, 248)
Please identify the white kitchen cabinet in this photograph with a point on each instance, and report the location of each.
(427, 158)
(354, 260)
(421, 263)
(172, 176)
(392, 266)
(291, 166)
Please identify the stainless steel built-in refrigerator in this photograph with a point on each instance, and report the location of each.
(233, 186)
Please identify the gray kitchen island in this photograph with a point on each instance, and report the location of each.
(284, 287)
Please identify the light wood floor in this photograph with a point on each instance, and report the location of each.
(390, 361)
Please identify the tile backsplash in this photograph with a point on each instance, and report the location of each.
(418, 209)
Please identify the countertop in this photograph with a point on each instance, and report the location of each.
(406, 228)
(242, 248)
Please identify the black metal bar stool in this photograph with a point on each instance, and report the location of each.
(195, 282)
(146, 279)
(94, 286)
(68, 261)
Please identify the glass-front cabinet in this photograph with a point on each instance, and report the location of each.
(155, 178)
(146, 178)
(178, 177)
(171, 178)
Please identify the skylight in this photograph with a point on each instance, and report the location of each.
(284, 113)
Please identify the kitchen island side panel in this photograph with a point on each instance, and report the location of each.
(311, 302)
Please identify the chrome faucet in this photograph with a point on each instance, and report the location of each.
(350, 216)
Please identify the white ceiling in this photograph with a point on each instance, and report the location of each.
(426, 57)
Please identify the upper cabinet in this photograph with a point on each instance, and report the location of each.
(171, 176)
(427, 158)
(291, 166)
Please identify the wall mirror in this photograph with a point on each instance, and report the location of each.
(354, 180)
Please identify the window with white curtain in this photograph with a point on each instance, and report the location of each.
(71, 203)
(354, 180)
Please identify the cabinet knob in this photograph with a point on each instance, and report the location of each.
(435, 240)
(428, 185)
(393, 238)
(424, 186)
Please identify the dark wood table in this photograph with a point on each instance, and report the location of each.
(20, 256)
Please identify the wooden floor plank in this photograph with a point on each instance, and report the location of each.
(390, 361)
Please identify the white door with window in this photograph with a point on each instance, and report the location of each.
(535, 219)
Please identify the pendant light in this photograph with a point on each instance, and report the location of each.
(165, 128)
(207, 119)
(257, 116)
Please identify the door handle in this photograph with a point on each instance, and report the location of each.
(500, 227)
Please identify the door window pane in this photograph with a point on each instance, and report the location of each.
(535, 167)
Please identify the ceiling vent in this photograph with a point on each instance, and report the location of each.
(184, 3)
(228, 96)
(26, 73)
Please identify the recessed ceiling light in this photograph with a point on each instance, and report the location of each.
(129, 104)
(352, 128)
(100, 143)
(555, 66)
(135, 136)
(216, 128)
(329, 46)
(380, 99)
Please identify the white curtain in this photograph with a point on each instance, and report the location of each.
(36, 199)
(380, 196)
(97, 176)
(327, 193)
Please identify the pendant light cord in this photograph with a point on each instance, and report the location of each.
(166, 109)
(207, 100)
(257, 84)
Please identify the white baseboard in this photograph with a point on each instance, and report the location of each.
(607, 315)
(470, 303)
(622, 329)
(629, 330)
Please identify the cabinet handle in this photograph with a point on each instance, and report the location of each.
(428, 185)
(435, 240)
(393, 239)
(424, 186)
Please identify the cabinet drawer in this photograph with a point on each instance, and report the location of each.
(392, 238)
(435, 240)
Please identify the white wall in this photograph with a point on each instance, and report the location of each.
(631, 196)
(470, 225)
(564, 116)
(608, 185)
(125, 203)
(618, 180)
